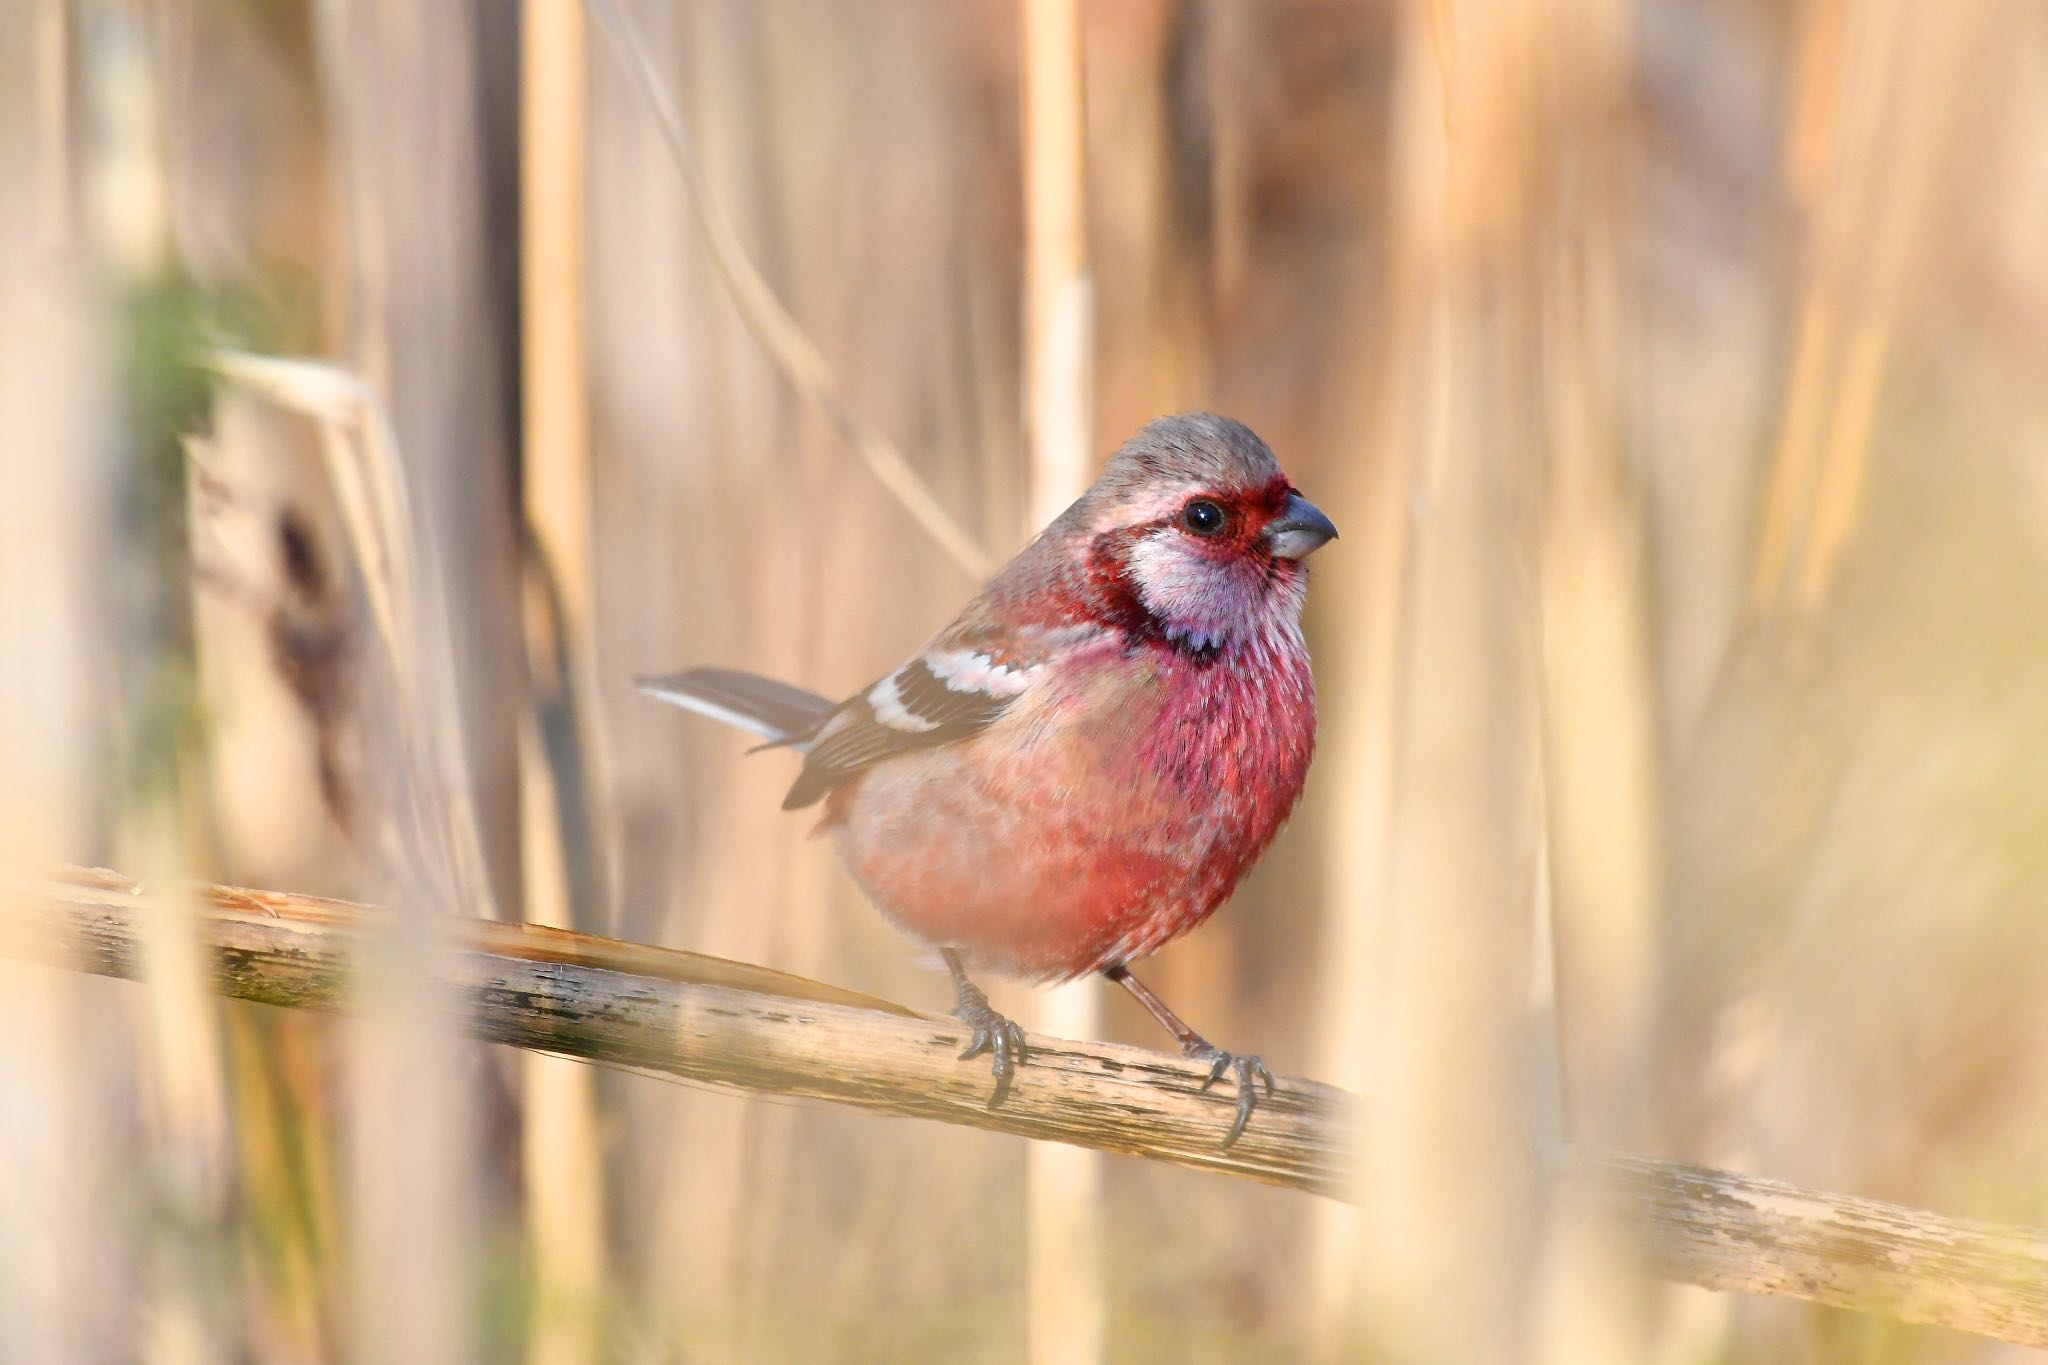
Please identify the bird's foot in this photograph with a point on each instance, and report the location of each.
(998, 1035)
(1251, 1073)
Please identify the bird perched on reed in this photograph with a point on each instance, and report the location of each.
(1082, 765)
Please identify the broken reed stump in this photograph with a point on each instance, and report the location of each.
(752, 1029)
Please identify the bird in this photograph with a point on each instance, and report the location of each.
(1083, 763)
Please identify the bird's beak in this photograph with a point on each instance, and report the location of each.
(1300, 530)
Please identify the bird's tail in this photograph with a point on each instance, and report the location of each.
(761, 706)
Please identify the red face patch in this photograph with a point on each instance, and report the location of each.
(1231, 523)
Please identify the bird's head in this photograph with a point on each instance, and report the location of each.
(1194, 524)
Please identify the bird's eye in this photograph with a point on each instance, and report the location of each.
(1202, 517)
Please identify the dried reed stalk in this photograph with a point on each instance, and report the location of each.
(749, 1028)
(798, 358)
(1445, 1274)
(564, 1147)
(1066, 1314)
(360, 444)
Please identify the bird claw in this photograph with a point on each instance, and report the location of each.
(1251, 1074)
(995, 1034)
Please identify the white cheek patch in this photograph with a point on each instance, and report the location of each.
(1195, 598)
(963, 670)
(889, 709)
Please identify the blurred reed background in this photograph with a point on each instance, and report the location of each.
(1678, 372)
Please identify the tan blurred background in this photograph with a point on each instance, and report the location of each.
(1677, 372)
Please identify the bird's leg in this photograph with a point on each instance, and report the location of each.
(994, 1034)
(1250, 1071)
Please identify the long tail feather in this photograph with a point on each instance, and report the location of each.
(775, 711)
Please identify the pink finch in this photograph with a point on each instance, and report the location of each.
(1083, 764)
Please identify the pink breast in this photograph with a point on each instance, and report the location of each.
(1087, 833)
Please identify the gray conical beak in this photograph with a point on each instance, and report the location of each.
(1300, 530)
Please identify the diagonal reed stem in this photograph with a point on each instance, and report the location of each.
(793, 352)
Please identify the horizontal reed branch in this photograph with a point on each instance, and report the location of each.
(745, 1027)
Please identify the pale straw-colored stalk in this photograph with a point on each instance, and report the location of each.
(1067, 1310)
(794, 353)
(565, 1178)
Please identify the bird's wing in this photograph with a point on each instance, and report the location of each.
(955, 687)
